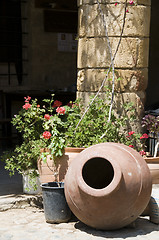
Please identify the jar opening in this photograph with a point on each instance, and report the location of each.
(98, 173)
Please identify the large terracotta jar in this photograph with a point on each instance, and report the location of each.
(108, 186)
(56, 170)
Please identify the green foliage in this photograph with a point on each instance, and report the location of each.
(95, 127)
(52, 127)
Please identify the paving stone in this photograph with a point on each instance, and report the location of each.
(29, 224)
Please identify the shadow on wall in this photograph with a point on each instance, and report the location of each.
(9, 185)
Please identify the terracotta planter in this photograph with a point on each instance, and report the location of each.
(109, 186)
(153, 164)
(50, 172)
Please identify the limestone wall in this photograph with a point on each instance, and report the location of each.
(49, 67)
(131, 62)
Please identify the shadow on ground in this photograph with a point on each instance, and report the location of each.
(142, 226)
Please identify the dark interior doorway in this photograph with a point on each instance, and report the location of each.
(152, 101)
(11, 37)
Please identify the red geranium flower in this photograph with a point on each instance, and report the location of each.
(57, 104)
(131, 146)
(46, 134)
(142, 153)
(60, 110)
(27, 99)
(47, 116)
(74, 105)
(144, 136)
(131, 2)
(26, 106)
(130, 133)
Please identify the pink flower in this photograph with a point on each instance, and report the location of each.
(27, 99)
(46, 134)
(131, 133)
(26, 106)
(131, 2)
(57, 104)
(116, 4)
(60, 110)
(47, 116)
(74, 105)
(144, 136)
(142, 153)
(131, 146)
(127, 10)
(38, 106)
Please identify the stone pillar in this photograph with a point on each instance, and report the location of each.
(131, 62)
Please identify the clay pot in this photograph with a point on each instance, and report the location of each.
(153, 164)
(108, 186)
(56, 170)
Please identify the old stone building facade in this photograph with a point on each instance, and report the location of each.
(64, 43)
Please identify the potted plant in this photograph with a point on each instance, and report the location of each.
(42, 131)
(141, 142)
(151, 123)
(49, 129)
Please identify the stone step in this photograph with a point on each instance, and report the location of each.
(20, 201)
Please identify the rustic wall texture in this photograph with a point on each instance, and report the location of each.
(131, 62)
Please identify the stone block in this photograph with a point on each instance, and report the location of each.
(125, 80)
(83, 2)
(143, 52)
(144, 2)
(94, 52)
(137, 99)
(91, 23)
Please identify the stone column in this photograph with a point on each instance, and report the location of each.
(131, 62)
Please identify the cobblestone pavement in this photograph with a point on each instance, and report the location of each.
(29, 224)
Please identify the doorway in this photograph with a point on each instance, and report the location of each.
(152, 92)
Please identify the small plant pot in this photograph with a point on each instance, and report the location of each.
(31, 185)
(56, 209)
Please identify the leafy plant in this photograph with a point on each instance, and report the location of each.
(53, 127)
(137, 141)
(151, 123)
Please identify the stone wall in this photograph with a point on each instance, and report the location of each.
(131, 61)
(49, 68)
